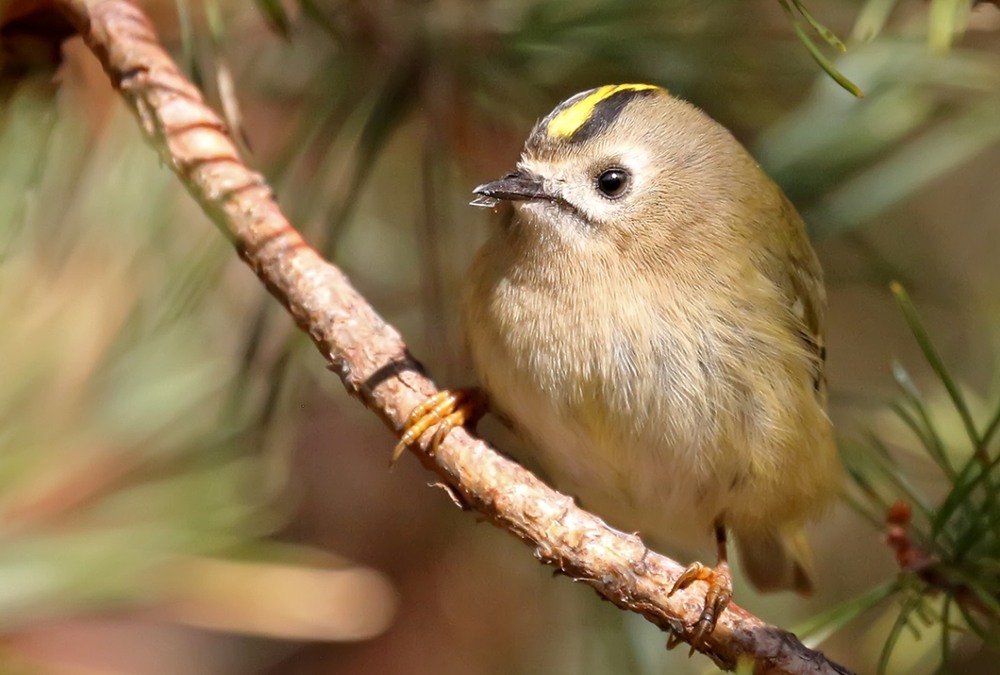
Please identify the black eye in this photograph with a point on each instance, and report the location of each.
(613, 183)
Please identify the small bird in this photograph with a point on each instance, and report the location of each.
(649, 316)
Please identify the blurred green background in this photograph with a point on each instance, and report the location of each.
(185, 488)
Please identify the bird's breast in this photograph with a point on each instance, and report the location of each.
(648, 401)
(612, 396)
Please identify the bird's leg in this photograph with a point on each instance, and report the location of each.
(720, 586)
(445, 410)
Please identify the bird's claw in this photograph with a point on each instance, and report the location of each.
(442, 412)
(720, 592)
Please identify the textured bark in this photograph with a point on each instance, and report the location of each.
(375, 366)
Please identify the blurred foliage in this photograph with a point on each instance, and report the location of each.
(153, 405)
(130, 463)
(111, 396)
(946, 20)
(845, 163)
(946, 535)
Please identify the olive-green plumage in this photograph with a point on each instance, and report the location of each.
(650, 317)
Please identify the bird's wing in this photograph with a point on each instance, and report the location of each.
(793, 267)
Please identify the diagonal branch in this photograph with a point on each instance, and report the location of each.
(375, 366)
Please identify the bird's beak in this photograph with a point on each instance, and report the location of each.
(516, 186)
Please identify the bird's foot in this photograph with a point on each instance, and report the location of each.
(720, 592)
(441, 412)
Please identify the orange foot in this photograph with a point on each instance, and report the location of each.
(442, 412)
(720, 592)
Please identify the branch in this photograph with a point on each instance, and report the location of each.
(375, 366)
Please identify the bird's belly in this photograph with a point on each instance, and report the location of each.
(650, 417)
(637, 480)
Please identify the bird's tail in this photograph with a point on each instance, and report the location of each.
(777, 561)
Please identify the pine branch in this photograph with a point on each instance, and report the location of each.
(375, 366)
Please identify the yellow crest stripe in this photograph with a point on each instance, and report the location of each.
(566, 122)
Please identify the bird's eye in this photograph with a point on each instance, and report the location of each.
(613, 183)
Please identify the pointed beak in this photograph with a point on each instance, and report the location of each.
(515, 186)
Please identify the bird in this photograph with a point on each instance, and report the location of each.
(648, 314)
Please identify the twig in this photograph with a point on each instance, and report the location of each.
(375, 366)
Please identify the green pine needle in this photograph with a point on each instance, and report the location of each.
(934, 358)
(955, 540)
(794, 9)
